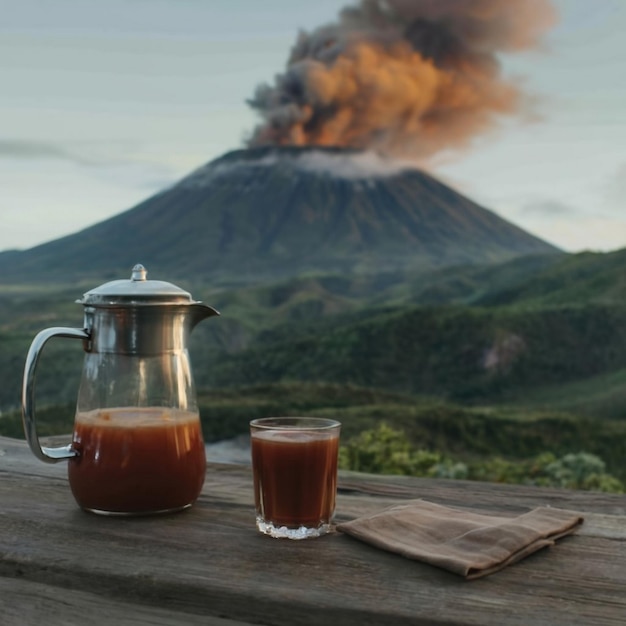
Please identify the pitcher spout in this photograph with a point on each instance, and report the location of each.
(200, 311)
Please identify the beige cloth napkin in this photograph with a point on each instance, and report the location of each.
(466, 543)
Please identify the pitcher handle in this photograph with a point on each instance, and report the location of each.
(48, 455)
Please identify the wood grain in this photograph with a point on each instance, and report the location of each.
(209, 563)
(25, 602)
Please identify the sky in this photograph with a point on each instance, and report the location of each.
(103, 104)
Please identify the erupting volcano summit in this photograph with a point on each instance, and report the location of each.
(274, 212)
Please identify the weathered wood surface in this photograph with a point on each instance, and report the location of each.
(208, 565)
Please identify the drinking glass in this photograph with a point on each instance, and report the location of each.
(294, 462)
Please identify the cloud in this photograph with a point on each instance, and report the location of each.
(548, 208)
(106, 162)
(572, 228)
(21, 149)
(43, 150)
(615, 196)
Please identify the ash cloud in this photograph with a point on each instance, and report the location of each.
(361, 166)
(408, 78)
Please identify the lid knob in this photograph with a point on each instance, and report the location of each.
(139, 273)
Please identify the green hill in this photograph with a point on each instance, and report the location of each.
(574, 279)
(457, 352)
(442, 332)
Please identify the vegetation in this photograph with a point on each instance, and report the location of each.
(514, 372)
(462, 353)
(384, 450)
(397, 433)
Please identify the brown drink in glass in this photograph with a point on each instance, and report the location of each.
(294, 462)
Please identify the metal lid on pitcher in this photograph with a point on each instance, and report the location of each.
(137, 290)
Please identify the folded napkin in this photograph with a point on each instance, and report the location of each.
(462, 542)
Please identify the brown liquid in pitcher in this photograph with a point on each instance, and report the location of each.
(295, 477)
(133, 460)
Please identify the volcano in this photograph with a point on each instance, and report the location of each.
(274, 212)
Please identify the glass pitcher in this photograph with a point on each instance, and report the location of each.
(137, 445)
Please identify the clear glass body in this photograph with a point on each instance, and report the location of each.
(294, 464)
(137, 435)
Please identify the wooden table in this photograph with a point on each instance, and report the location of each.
(208, 565)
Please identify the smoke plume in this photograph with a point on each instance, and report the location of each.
(408, 78)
